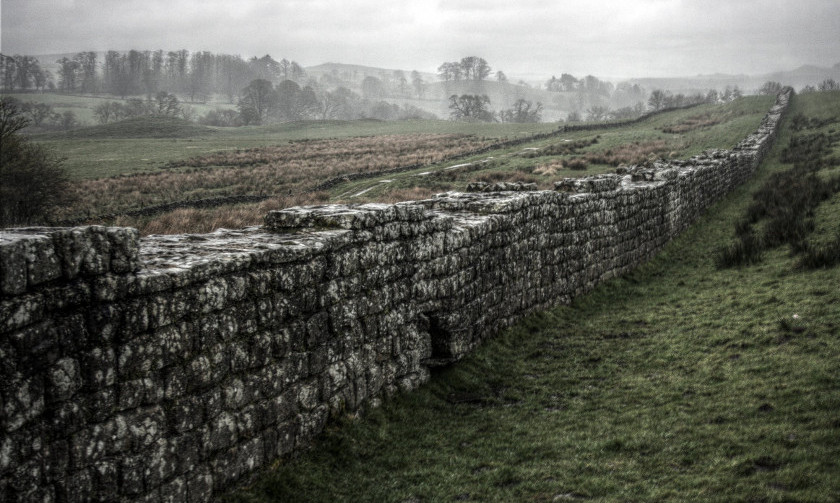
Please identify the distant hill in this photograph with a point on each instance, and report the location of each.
(805, 75)
(798, 78)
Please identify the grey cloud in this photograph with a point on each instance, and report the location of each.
(527, 37)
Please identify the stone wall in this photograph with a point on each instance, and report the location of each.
(168, 367)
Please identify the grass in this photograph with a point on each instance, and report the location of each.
(123, 166)
(158, 127)
(677, 382)
(783, 208)
(574, 154)
(111, 156)
(283, 171)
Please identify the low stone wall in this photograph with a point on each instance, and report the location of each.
(168, 367)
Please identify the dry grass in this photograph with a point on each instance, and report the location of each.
(550, 169)
(630, 153)
(564, 147)
(704, 120)
(283, 171)
(361, 152)
(416, 193)
(195, 220)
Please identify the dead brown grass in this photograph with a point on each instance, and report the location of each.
(193, 220)
(280, 171)
(706, 119)
(564, 147)
(630, 153)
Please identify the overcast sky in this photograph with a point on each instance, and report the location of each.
(530, 39)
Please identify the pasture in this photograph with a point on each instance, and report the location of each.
(140, 162)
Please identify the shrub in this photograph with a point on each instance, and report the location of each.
(33, 181)
(827, 255)
(575, 164)
(746, 250)
(786, 203)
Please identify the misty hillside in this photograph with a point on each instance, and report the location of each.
(433, 94)
(359, 72)
(798, 78)
(349, 91)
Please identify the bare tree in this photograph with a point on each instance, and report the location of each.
(829, 85)
(657, 99)
(470, 107)
(257, 101)
(597, 113)
(11, 118)
(418, 84)
(522, 111)
(32, 180)
(770, 87)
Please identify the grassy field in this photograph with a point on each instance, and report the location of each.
(118, 149)
(700, 128)
(678, 382)
(154, 160)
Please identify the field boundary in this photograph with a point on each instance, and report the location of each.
(171, 367)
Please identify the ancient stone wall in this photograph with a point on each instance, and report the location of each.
(166, 368)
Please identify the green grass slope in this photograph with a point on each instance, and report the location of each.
(676, 134)
(149, 126)
(103, 151)
(677, 382)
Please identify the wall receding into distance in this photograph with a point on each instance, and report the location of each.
(166, 368)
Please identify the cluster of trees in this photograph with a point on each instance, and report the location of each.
(476, 108)
(659, 99)
(23, 73)
(770, 88)
(162, 103)
(196, 75)
(32, 179)
(522, 111)
(469, 68)
(601, 113)
(600, 99)
(42, 115)
(261, 102)
(826, 85)
(588, 84)
(394, 84)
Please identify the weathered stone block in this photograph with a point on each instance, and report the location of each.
(63, 380)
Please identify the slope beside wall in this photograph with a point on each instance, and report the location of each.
(168, 367)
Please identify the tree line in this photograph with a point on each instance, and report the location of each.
(468, 68)
(196, 75)
(261, 102)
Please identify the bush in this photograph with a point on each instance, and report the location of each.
(575, 164)
(746, 250)
(786, 202)
(33, 181)
(817, 257)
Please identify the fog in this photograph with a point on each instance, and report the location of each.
(528, 39)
